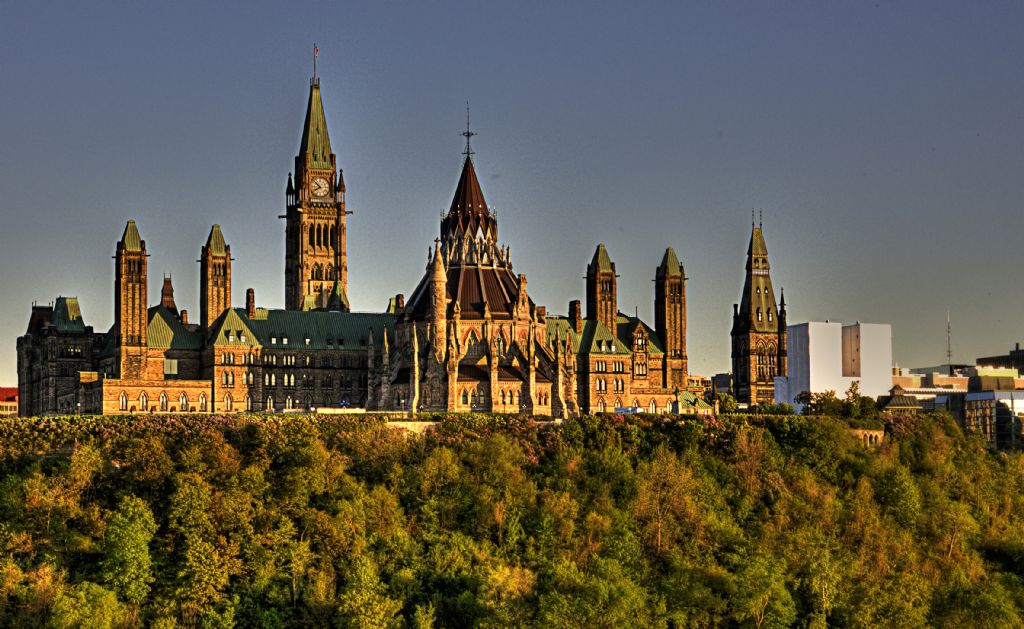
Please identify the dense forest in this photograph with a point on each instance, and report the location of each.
(491, 521)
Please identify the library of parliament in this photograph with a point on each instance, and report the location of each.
(467, 338)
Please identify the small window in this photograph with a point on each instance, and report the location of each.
(123, 401)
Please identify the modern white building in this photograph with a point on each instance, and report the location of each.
(826, 355)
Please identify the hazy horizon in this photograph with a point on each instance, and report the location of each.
(884, 143)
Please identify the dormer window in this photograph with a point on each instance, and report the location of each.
(273, 340)
(284, 340)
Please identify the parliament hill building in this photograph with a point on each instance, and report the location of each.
(468, 338)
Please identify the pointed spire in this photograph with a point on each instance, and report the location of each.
(601, 260)
(130, 239)
(469, 197)
(438, 264)
(215, 241)
(670, 266)
(315, 149)
(167, 295)
(757, 246)
(291, 186)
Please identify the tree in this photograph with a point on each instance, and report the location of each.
(664, 500)
(86, 606)
(761, 595)
(726, 402)
(364, 603)
(126, 565)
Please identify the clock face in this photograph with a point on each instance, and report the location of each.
(320, 187)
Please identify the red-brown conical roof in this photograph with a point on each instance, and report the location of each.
(469, 209)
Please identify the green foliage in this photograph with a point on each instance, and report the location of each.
(764, 519)
(126, 565)
(86, 606)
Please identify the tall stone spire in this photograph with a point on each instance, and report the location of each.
(214, 278)
(131, 309)
(758, 347)
(670, 318)
(315, 146)
(316, 257)
(602, 298)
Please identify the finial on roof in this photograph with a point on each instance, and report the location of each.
(468, 134)
(752, 223)
(316, 53)
(760, 219)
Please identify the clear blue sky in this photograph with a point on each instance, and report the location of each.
(884, 141)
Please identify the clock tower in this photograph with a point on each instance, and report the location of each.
(316, 260)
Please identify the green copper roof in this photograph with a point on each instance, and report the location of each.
(626, 326)
(232, 328)
(318, 329)
(67, 316)
(166, 332)
(130, 239)
(757, 246)
(670, 264)
(338, 301)
(601, 261)
(215, 242)
(315, 148)
(598, 339)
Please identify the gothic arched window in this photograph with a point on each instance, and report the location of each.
(123, 401)
(227, 402)
(312, 236)
(183, 403)
(202, 402)
(144, 401)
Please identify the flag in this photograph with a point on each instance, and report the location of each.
(316, 51)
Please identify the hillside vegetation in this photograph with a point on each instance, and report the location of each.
(282, 521)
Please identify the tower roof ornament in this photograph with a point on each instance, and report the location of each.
(468, 134)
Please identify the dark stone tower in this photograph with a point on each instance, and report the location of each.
(670, 318)
(758, 330)
(131, 308)
(602, 304)
(214, 278)
(316, 262)
(167, 296)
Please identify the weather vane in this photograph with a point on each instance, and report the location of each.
(468, 134)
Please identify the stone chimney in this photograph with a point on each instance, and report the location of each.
(250, 303)
(576, 316)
